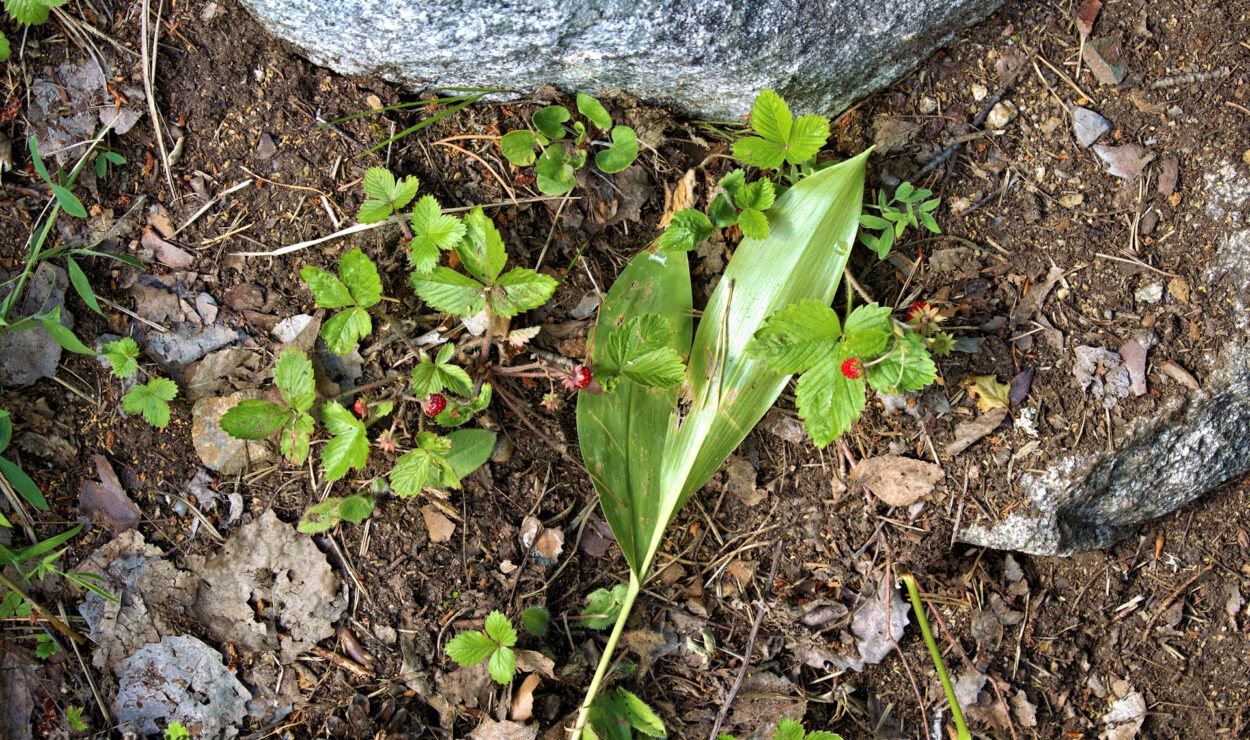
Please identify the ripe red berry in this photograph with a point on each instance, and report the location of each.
(434, 404)
(360, 407)
(851, 368)
(917, 309)
(581, 377)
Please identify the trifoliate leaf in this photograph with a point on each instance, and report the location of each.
(621, 154)
(500, 629)
(123, 354)
(293, 374)
(356, 508)
(432, 377)
(518, 147)
(754, 224)
(867, 330)
(685, 231)
(294, 439)
(548, 120)
(990, 393)
(594, 111)
(659, 368)
(907, 366)
(757, 152)
(828, 401)
(636, 340)
(254, 418)
(502, 665)
(796, 337)
(759, 195)
(448, 291)
(432, 231)
(385, 195)
(360, 276)
(781, 139)
(31, 12)
(470, 648)
(349, 449)
(329, 291)
(151, 400)
(520, 290)
(345, 328)
(555, 174)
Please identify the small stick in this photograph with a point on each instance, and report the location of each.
(1150, 623)
(195, 216)
(346, 664)
(1191, 78)
(149, 72)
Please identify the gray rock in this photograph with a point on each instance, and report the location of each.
(187, 344)
(179, 679)
(707, 59)
(218, 450)
(1088, 126)
(32, 354)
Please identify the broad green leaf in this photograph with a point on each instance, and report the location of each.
(828, 401)
(499, 629)
(796, 337)
(432, 231)
(293, 374)
(548, 120)
(874, 222)
(5, 50)
(721, 213)
(123, 355)
(554, 173)
(356, 508)
(349, 449)
(640, 716)
(481, 250)
(904, 191)
(621, 154)
(374, 211)
(822, 735)
(754, 224)
(31, 12)
(603, 607)
(906, 367)
(458, 413)
(151, 400)
(345, 329)
(254, 418)
(594, 111)
(448, 291)
(502, 665)
(807, 136)
(520, 290)
(733, 182)
(759, 195)
(62, 335)
(81, 285)
(470, 648)
(536, 620)
(470, 449)
(518, 147)
(432, 377)
(867, 330)
(379, 183)
(411, 473)
(757, 152)
(68, 201)
(329, 291)
(321, 518)
(360, 276)
(6, 429)
(684, 232)
(295, 438)
(23, 484)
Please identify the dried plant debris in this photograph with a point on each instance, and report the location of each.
(178, 679)
(969, 432)
(105, 502)
(505, 730)
(20, 683)
(152, 595)
(896, 480)
(27, 356)
(1101, 372)
(764, 700)
(879, 623)
(1126, 161)
(269, 588)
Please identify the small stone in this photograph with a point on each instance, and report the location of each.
(1071, 200)
(979, 92)
(1149, 221)
(265, 149)
(245, 297)
(1088, 126)
(502, 451)
(1245, 156)
(1179, 290)
(218, 450)
(1152, 293)
(1002, 114)
(929, 106)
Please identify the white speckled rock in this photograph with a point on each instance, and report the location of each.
(706, 58)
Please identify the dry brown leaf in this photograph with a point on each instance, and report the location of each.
(1127, 161)
(989, 393)
(522, 709)
(970, 432)
(440, 527)
(682, 197)
(545, 544)
(897, 480)
(492, 730)
(105, 501)
(1086, 15)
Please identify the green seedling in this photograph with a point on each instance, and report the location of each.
(536, 620)
(439, 374)
(493, 644)
(385, 195)
(104, 159)
(356, 288)
(175, 731)
(123, 355)
(152, 400)
(909, 208)
(433, 232)
(43, 555)
(73, 715)
(617, 714)
(348, 449)
(259, 419)
(46, 646)
(743, 203)
(780, 139)
(14, 476)
(788, 729)
(558, 148)
(603, 607)
(329, 513)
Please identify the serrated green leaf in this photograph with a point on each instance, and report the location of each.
(757, 152)
(293, 374)
(123, 355)
(328, 290)
(345, 328)
(320, 518)
(254, 418)
(432, 231)
(151, 400)
(448, 291)
(822, 735)
(432, 377)
(356, 508)
(733, 182)
(423, 255)
(759, 195)
(82, 286)
(548, 120)
(31, 12)
(482, 250)
(374, 211)
(828, 401)
(807, 136)
(349, 449)
(788, 729)
(470, 648)
(770, 117)
(594, 111)
(502, 665)
(603, 607)
(555, 174)
(360, 276)
(796, 337)
(685, 231)
(518, 147)
(499, 628)
(458, 413)
(906, 367)
(519, 290)
(754, 224)
(379, 183)
(721, 213)
(661, 368)
(23, 484)
(295, 438)
(867, 331)
(470, 449)
(411, 473)
(621, 154)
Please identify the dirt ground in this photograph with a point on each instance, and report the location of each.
(1154, 628)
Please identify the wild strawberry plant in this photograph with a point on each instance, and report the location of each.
(259, 419)
(493, 644)
(562, 144)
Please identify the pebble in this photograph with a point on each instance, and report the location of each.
(1002, 114)
(1088, 126)
(265, 148)
(218, 450)
(1071, 200)
(927, 105)
(502, 451)
(979, 92)
(1151, 293)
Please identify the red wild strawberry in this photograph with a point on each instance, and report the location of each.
(917, 310)
(851, 368)
(580, 378)
(434, 404)
(360, 407)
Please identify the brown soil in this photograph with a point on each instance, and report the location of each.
(1063, 642)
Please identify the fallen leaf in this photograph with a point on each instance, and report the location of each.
(440, 527)
(20, 681)
(178, 679)
(1169, 173)
(522, 709)
(1102, 372)
(1126, 161)
(105, 501)
(970, 432)
(492, 730)
(890, 134)
(682, 197)
(989, 393)
(1143, 105)
(740, 481)
(1034, 297)
(1125, 717)
(1020, 386)
(1024, 710)
(1086, 15)
(165, 253)
(1179, 374)
(896, 480)
(879, 623)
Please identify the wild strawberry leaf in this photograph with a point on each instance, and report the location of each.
(470, 647)
(254, 418)
(349, 448)
(448, 291)
(499, 629)
(328, 290)
(759, 195)
(151, 400)
(684, 232)
(412, 472)
(432, 231)
(294, 439)
(360, 276)
(867, 330)
(907, 366)
(781, 138)
(828, 401)
(788, 729)
(123, 355)
(502, 665)
(796, 337)
(345, 328)
(433, 376)
(385, 194)
(293, 374)
(520, 290)
(640, 350)
(733, 182)
(754, 224)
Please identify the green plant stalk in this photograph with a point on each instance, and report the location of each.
(913, 591)
(601, 672)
